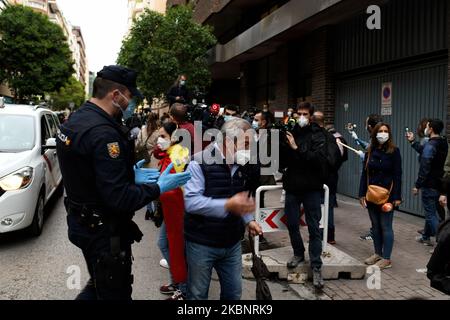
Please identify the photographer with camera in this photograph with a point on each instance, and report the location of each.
(304, 160)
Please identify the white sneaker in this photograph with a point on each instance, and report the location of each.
(163, 263)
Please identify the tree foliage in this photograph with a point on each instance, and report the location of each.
(72, 91)
(162, 47)
(34, 55)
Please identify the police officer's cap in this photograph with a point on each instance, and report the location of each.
(121, 75)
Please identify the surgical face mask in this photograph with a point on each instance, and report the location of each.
(289, 114)
(182, 82)
(303, 121)
(242, 157)
(130, 109)
(117, 105)
(255, 125)
(382, 137)
(427, 132)
(163, 144)
(228, 118)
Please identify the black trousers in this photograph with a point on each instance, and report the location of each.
(110, 275)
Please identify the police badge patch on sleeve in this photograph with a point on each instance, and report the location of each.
(113, 150)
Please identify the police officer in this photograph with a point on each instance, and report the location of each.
(103, 187)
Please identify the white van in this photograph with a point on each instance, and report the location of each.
(29, 168)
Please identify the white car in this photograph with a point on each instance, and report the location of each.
(29, 168)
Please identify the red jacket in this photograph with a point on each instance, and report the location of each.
(173, 210)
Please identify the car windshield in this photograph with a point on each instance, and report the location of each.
(17, 133)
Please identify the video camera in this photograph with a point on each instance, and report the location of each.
(285, 127)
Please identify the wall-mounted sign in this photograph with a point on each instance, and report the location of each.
(279, 114)
(386, 99)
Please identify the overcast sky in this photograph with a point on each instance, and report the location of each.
(103, 25)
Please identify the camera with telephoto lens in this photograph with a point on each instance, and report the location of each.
(285, 127)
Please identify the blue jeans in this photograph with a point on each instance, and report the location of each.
(163, 244)
(311, 203)
(430, 197)
(382, 232)
(226, 261)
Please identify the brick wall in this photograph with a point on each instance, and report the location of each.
(323, 83)
(282, 89)
(246, 98)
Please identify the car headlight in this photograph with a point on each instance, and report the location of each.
(17, 180)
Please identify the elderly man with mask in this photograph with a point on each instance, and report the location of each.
(218, 206)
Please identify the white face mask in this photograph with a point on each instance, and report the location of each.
(242, 157)
(303, 121)
(163, 144)
(289, 114)
(427, 132)
(382, 137)
(228, 118)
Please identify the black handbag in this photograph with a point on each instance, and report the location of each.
(261, 273)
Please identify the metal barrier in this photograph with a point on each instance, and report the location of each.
(273, 219)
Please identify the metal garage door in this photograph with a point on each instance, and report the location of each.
(417, 92)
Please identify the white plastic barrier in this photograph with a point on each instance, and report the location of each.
(273, 219)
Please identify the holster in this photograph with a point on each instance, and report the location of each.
(87, 216)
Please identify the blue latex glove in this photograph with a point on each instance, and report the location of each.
(144, 175)
(169, 181)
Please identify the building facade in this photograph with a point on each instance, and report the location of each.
(81, 61)
(137, 7)
(284, 52)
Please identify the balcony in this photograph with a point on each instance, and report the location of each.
(297, 18)
(38, 5)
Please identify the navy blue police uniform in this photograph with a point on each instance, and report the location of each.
(96, 156)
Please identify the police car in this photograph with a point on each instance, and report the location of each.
(29, 169)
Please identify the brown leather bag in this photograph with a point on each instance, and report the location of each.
(376, 194)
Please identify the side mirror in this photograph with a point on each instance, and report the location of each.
(49, 144)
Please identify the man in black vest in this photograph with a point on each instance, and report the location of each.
(218, 207)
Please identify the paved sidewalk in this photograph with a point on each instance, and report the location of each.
(406, 279)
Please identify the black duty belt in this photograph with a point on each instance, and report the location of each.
(86, 214)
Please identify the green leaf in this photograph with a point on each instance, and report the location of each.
(34, 54)
(162, 47)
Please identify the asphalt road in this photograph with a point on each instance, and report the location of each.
(37, 268)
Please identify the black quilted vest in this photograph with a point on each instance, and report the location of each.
(215, 232)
